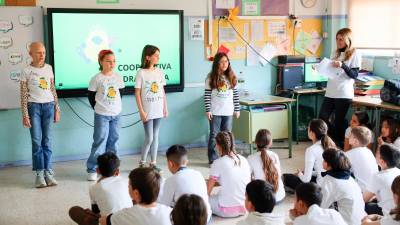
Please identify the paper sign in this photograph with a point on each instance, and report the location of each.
(257, 30)
(225, 4)
(283, 46)
(367, 64)
(6, 42)
(227, 34)
(15, 75)
(326, 69)
(277, 29)
(268, 52)
(25, 20)
(15, 58)
(5, 26)
(252, 56)
(315, 42)
(303, 39)
(250, 7)
(196, 28)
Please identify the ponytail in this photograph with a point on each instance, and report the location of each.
(226, 140)
(270, 171)
(327, 142)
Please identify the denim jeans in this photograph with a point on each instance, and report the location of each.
(151, 130)
(105, 138)
(41, 116)
(217, 124)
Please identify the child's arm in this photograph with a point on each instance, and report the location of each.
(210, 184)
(57, 114)
(143, 115)
(207, 103)
(165, 107)
(236, 102)
(346, 145)
(92, 98)
(24, 104)
(367, 196)
(105, 220)
(308, 167)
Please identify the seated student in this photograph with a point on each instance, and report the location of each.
(394, 216)
(363, 163)
(265, 164)
(318, 133)
(232, 172)
(189, 209)
(388, 157)
(193, 180)
(108, 195)
(307, 210)
(340, 188)
(359, 118)
(260, 201)
(390, 132)
(144, 186)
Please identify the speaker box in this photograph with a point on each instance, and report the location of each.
(390, 91)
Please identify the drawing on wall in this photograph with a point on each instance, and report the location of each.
(6, 42)
(15, 58)
(5, 26)
(15, 75)
(25, 20)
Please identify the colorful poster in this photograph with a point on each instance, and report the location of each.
(251, 7)
(303, 40)
(196, 28)
(2, 2)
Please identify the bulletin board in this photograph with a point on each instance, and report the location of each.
(268, 36)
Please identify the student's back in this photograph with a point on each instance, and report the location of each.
(319, 216)
(139, 215)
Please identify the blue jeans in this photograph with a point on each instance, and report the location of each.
(105, 138)
(217, 124)
(151, 130)
(41, 116)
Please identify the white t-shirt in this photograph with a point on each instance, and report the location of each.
(151, 83)
(221, 98)
(388, 220)
(348, 196)
(256, 218)
(185, 181)
(380, 185)
(256, 166)
(38, 83)
(108, 98)
(363, 165)
(111, 195)
(313, 160)
(319, 216)
(396, 143)
(232, 178)
(342, 85)
(139, 215)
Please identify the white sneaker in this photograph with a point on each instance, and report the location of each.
(40, 182)
(92, 176)
(49, 178)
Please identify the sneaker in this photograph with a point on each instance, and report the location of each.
(92, 176)
(49, 178)
(40, 182)
(142, 164)
(156, 168)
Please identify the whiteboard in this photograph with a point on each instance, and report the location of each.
(19, 26)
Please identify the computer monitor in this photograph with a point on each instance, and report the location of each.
(311, 75)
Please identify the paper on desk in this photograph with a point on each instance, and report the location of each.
(325, 68)
(268, 52)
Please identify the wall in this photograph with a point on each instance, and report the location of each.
(185, 125)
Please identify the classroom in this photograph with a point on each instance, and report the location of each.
(199, 112)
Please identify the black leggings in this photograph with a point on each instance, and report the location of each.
(338, 106)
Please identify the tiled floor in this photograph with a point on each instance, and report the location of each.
(20, 203)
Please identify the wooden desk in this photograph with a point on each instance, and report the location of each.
(296, 95)
(251, 120)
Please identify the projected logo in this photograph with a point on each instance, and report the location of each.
(96, 41)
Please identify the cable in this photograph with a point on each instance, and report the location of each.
(248, 44)
(89, 106)
(72, 109)
(218, 34)
(131, 124)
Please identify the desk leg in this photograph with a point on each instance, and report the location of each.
(297, 118)
(289, 107)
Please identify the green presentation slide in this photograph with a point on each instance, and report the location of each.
(78, 38)
(312, 75)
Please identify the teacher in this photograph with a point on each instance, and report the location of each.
(339, 90)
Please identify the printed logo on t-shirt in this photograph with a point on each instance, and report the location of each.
(152, 91)
(111, 92)
(154, 87)
(222, 90)
(43, 84)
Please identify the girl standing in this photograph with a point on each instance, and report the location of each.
(151, 101)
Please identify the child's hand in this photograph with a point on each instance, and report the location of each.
(237, 114)
(209, 116)
(26, 122)
(103, 220)
(337, 64)
(380, 140)
(299, 173)
(143, 116)
(57, 116)
(293, 213)
(165, 113)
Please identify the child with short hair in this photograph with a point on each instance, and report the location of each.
(193, 180)
(359, 118)
(307, 210)
(104, 93)
(151, 102)
(340, 188)
(39, 106)
(108, 195)
(265, 164)
(144, 186)
(388, 158)
(260, 202)
(390, 132)
(394, 216)
(318, 133)
(363, 163)
(232, 172)
(189, 209)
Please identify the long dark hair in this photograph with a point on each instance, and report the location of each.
(336, 159)
(393, 129)
(189, 209)
(226, 140)
(215, 82)
(263, 140)
(320, 129)
(396, 190)
(148, 50)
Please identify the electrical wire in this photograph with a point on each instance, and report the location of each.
(89, 106)
(248, 44)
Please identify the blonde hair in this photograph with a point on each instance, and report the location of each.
(362, 134)
(349, 50)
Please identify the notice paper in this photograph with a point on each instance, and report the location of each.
(224, 4)
(326, 69)
(227, 34)
(196, 28)
(268, 52)
(315, 42)
(257, 30)
(252, 56)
